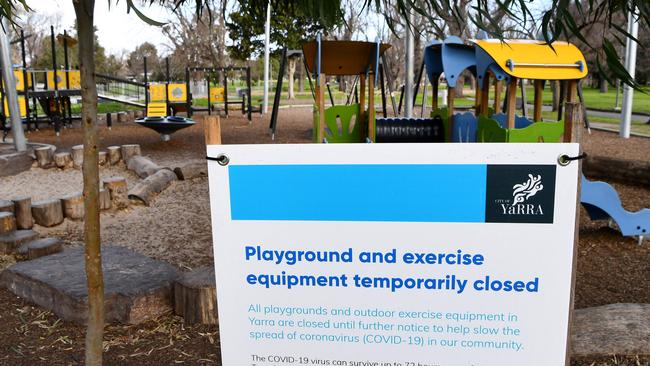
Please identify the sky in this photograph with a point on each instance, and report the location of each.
(117, 30)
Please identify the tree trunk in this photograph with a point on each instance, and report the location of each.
(301, 80)
(460, 85)
(291, 71)
(84, 10)
(602, 83)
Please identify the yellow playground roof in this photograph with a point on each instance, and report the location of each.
(342, 57)
(530, 59)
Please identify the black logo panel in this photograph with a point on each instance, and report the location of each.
(520, 193)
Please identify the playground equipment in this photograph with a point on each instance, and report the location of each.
(218, 97)
(344, 123)
(601, 201)
(52, 90)
(165, 125)
(370, 62)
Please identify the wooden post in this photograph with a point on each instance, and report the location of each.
(539, 91)
(212, 130)
(77, 156)
(497, 96)
(47, 213)
(511, 102)
(362, 95)
(575, 135)
(195, 297)
(320, 105)
(478, 95)
(573, 111)
(44, 156)
(23, 213)
(451, 93)
(371, 108)
(485, 95)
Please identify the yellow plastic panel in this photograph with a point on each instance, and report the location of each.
(529, 59)
(157, 92)
(157, 110)
(21, 105)
(20, 82)
(177, 93)
(216, 95)
(75, 79)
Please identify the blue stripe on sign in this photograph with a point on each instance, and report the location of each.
(403, 193)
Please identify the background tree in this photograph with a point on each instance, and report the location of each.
(290, 27)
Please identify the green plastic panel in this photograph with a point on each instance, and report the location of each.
(443, 113)
(538, 132)
(342, 124)
(489, 130)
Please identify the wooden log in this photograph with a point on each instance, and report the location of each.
(122, 117)
(129, 151)
(7, 223)
(7, 206)
(104, 199)
(23, 212)
(114, 154)
(192, 170)
(77, 153)
(44, 156)
(130, 115)
(142, 166)
(145, 190)
(73, 206)
(118, 190)
(635, 172)
(40, 248)
(47, 213)
(103, 158)
(138, 114)
(195, 296)
(63, 160)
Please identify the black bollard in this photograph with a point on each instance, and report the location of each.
(109, 121)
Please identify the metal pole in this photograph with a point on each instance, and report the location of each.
(408, 75)
(630, 65)
(267, 40)
(10, 89)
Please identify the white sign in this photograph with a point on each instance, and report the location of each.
(393, 254)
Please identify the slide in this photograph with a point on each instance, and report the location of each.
(602, 203)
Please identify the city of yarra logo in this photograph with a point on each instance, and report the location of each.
(522, 192)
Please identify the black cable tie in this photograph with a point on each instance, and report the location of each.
(565, 160)
(223, 160)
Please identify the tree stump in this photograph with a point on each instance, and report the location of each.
(122, 117)
(7, 223)
(63, 160)
(129, 151)
(152, 185)
(23, 213)
(138, 114)
(130, 115)
(104, 199)
(73, 206)
(195, 296)
(47, 213)
(114, 154)
(103, 158)
(77, 156)
(117, 188)
(142, 166)
(44, 156)
(6, 206)
(192, 170)
(40, 248)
